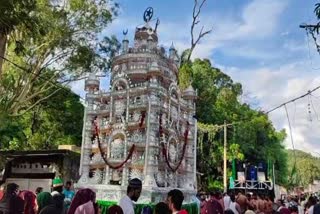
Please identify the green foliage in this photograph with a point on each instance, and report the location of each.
(56, 121)
(49, 44)
(15, 13)
(251, 137)
(63, 43)
(304, 168)
(185, 73)
(214, 185)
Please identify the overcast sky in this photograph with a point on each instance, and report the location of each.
(257, 42)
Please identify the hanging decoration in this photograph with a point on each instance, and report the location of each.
(165, 149)
(203, 129)
(143, 116)
(96, 135)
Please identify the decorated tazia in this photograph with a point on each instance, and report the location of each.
(143, 127)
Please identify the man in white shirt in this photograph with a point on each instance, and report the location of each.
(226, 201)
(133, 194)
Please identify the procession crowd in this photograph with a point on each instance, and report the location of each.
(63, 200)
(231, 203)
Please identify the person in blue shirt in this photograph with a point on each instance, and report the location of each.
(68, 194)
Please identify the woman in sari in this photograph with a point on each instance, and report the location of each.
(30, 205)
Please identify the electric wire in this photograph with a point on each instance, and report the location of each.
(314, 109)
(290, 130)
(292, 100)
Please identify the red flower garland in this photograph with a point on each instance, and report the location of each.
(164, 149)
(95, 123)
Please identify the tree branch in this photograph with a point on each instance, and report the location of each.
(195, 21)
(36, 103)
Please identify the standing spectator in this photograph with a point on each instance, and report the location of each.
(56, 207)
(175, 199)
(115, 209)
(30, 205)
(161, 208)
(282, 208)
(316, 209)
(133, 193)
(293, 209)
(84, 202)
(269, 205)
(220, 198)
(203, 203)
(311, 202)
(43, 199)
(226, 201)
(213, 206)
(146, 210)
(242, 201)
(234, 206)
(57, 194)
(11, 203)
(39, 190)
(68, 194)
(57, 186)
(1, 191)
(261, 206)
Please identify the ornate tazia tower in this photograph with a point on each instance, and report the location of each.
(143, 127)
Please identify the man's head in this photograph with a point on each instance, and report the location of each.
(202, 196)
(68, 185)
(39, 190)
(134, 189)
(233, 197)
(280, 202)
(215, 195)
(161, 208)
(12, 189)
(175, 199)
(57, 185)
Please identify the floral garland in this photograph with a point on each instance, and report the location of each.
(96, 134)
(164, 149)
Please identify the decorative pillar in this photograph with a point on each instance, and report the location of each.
(147, 178)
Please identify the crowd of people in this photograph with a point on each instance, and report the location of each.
(63, 200)
(231, 203)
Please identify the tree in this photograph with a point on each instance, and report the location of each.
(304, 167)
(56, 121)
(15, 14)
(67, 47)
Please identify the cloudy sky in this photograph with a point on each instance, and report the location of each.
(257, 42)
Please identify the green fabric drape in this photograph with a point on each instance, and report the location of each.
(234, 169)
(104, 206)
